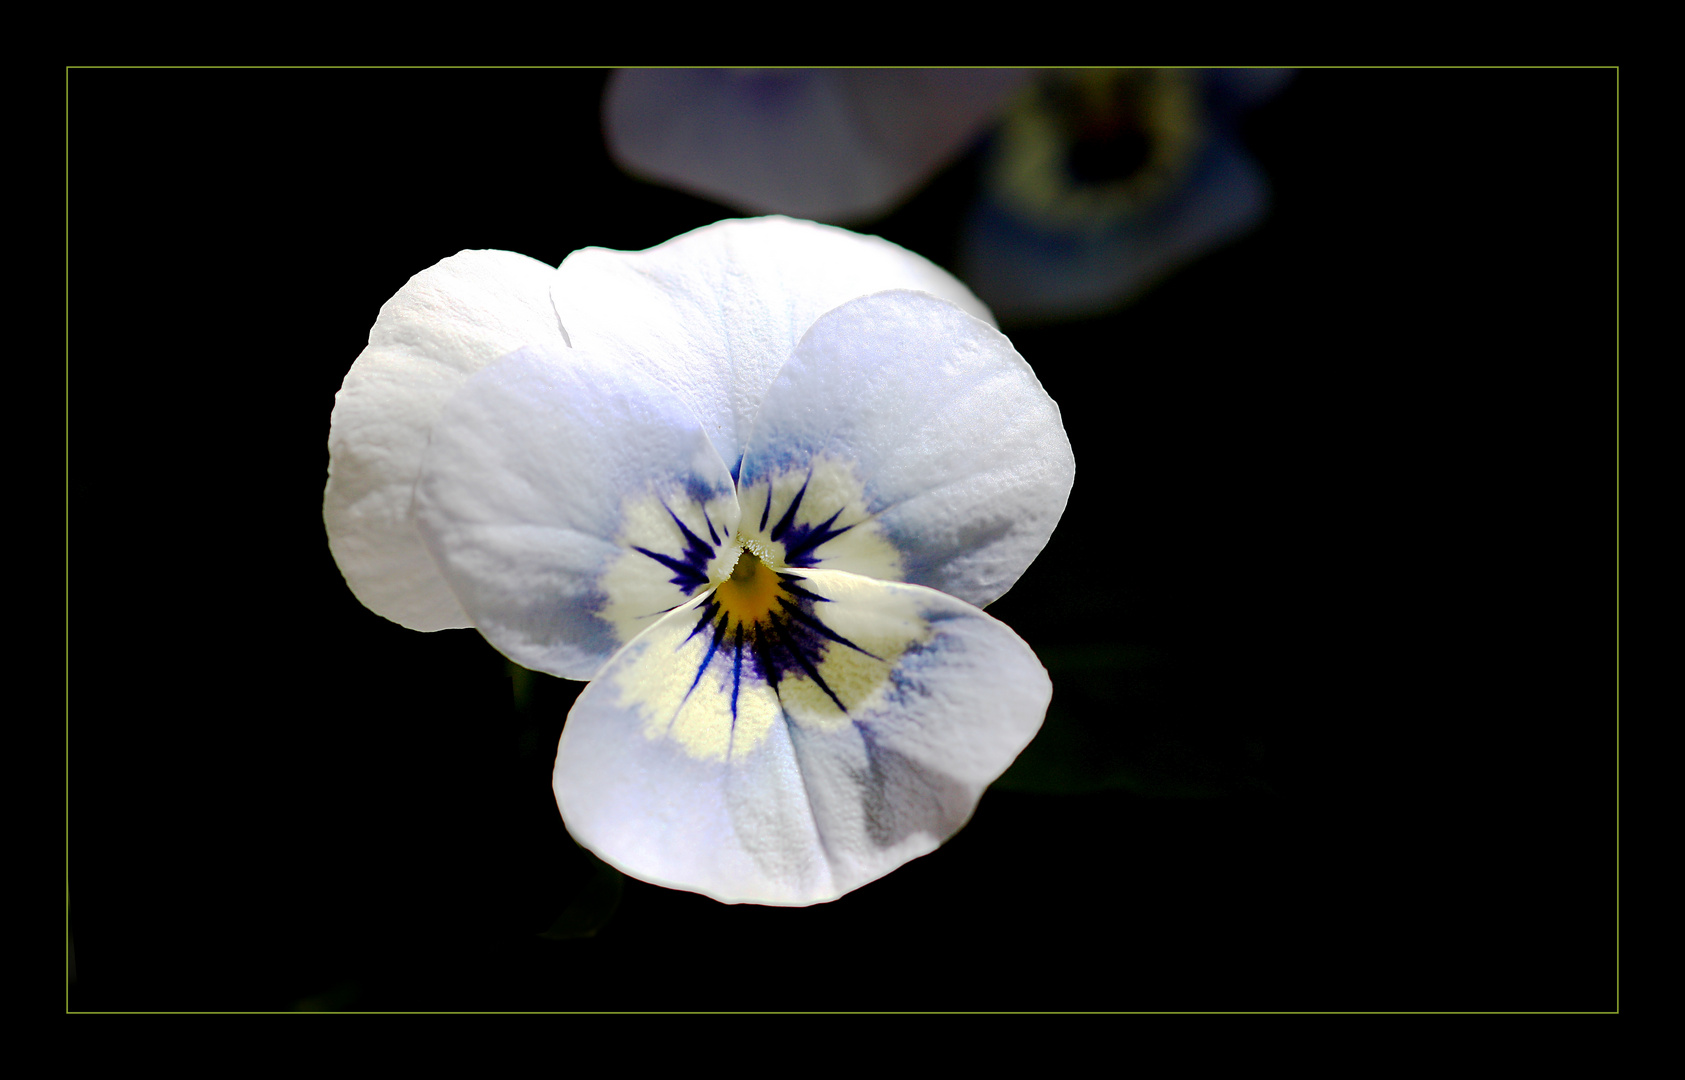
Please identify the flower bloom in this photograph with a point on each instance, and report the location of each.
(755, 483)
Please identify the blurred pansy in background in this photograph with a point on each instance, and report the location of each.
(756, 483)
(835, 145)
(1096, 182)
(1101, 181)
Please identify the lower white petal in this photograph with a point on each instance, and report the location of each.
(792, 759)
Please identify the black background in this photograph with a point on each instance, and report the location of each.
(1340, 480)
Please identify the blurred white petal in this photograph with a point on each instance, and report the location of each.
(835, 145)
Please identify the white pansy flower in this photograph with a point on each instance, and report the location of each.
(756, 484)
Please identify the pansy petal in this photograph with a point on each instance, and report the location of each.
(858, 734)
(827, 144)
(901, 423)
(713, 314)
(449, 321)
(570, 501)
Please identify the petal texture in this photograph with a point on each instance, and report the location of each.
(960, 457)
(570, 502)
(712, 315)
(791, 771)
(449, 321)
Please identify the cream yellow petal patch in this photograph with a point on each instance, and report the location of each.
(831, 524)
(685, 679)
(878, 625)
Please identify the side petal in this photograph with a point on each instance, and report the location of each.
(449, 321)
(829, 144)
(958, 454)
(713, 314)
(791, 764)
(569, 503)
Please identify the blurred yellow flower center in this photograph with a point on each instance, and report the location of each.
(750, 595)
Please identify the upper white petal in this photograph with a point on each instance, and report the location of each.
(965, 464)
(446, 323)
(713, 314)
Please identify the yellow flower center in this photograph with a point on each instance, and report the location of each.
(750, 595)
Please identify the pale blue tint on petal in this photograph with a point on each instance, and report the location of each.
(565, 498)
(963, 462)
(701, 765)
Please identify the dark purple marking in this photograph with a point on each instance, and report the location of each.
(793, 641)
(801, 541)
(784, 635)
(805, 539)
(790, 586)
(818, 627)
(766, 660)
(736, 674)
(708, 609)
(690, 570)
(789, 517)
